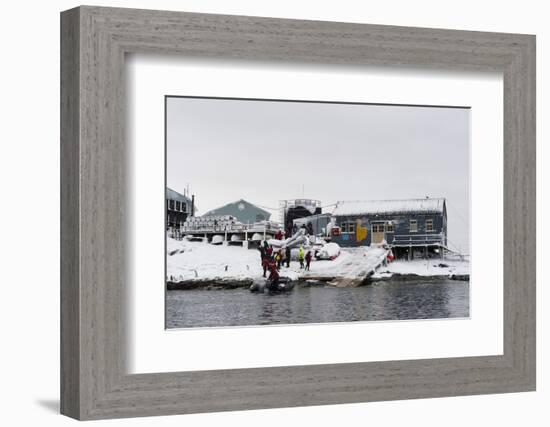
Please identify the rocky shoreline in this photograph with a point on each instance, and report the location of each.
(221, 283)
(237, 283)
(417, 277)
(209, 284)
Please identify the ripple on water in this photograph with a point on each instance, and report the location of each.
(399, 300)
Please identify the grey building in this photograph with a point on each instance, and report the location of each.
(409, 226)
(178, 208)
(244, 211)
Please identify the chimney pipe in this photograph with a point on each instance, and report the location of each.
(193, 205)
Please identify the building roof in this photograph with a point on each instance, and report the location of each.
(174, 195)
(244, 211)
(363, 207)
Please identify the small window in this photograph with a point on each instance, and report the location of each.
(171, 205)
(351, 227)
(344, 227)
(377, 228)
(413, 226)
(177, 205)
(184, 207)
(429, 225)
(389, 228)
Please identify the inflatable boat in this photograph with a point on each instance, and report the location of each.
(284, 284)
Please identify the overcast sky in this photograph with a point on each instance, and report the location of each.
(265, 151)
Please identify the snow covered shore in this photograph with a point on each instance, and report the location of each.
(458, 269)
(197, 263)
(201, 261)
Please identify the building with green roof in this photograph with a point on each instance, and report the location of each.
(244, 211)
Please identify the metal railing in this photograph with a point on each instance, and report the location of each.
(418, 239)
(268, 226)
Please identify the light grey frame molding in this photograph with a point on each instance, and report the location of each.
(94, 41)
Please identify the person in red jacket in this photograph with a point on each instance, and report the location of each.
(273, 279)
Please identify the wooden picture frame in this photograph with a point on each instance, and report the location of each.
(94, 41)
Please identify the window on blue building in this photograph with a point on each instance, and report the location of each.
(429, 225)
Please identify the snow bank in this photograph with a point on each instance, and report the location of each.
(432, 267)
(187, 260)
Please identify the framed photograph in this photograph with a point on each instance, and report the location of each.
(346, 210)
(330, 258)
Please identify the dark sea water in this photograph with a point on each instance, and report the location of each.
(388, 300)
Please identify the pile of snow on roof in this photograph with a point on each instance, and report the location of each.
(360, 207)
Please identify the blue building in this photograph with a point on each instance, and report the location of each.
(411, 227)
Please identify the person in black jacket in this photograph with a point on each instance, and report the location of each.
(308, 260)
(263, 257)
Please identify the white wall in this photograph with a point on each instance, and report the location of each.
(29, 168)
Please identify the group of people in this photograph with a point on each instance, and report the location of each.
(272, 261)
(269, 263)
